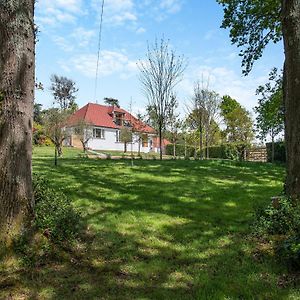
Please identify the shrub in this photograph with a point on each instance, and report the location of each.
(54, 213)
(279, 152)
(281, 218)
(180, 150)
(56, 224)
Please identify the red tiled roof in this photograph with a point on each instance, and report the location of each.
(101, 115)
(165, 142)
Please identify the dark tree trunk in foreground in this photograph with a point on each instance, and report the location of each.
(16, 108)
(291, 36)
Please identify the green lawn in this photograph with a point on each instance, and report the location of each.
(161, 230)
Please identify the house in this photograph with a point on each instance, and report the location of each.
(105, 124)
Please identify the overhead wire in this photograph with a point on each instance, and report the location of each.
(99, 50)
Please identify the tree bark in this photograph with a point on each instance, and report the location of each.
(273, 147)
(174, 150)
(201, 143)
(160, 143)
(17, 67)
(291, 37)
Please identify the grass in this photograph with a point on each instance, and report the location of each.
(160, 230)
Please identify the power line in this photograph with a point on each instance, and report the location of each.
(99, 49)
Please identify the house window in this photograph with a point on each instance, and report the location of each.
(118, 136)
(98, 133)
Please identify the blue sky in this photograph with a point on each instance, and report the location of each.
(68, 41)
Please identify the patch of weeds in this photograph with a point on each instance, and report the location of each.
(279, 222)
(56, 226)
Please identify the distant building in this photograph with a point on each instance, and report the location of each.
(105, 124)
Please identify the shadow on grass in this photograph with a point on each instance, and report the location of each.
(170, 230)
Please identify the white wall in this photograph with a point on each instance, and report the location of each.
(109, 142)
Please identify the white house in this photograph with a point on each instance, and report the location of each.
(104, 127)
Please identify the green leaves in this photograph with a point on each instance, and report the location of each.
(253, 24)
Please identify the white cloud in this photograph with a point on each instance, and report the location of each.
(111, 62)
(55, 12)
(140, 30)
(117, 12)
(83, 36)
(225, 81)
(171, 6)
(63, 43)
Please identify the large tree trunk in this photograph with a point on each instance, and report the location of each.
(291, 36)
(17, 64)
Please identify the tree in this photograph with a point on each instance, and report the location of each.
(211, 101)
(84, 132)
(174, 123)
(37, 113)
(64, 90)
(111, 102)
(197, 114)
(270, 112)
(239, 125)
(160, 73)
(17, 65)
(54, 124)
(253, 24)
(126, 137)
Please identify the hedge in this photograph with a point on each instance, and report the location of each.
(180, 150)
(234, 151)
(279, 152)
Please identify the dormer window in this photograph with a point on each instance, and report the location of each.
(119, 119)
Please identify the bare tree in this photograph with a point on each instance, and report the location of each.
(174, 123)
(84, 132)
(64, 90)
(160, 73)
(211, 101)
(203, 113)
(17, 65)
(197, 114)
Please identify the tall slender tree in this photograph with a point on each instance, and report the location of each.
(17, 67)
(161, 71)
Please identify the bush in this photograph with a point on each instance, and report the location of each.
(54, 213)
(279, 152)
(281, 218)
(180, 150)
(56, 227)
(233, 151)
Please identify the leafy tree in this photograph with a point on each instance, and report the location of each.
(17, 65)
(111, 102)
(54, 123)
(125, 137)
(64, 90)
(160, 73)
(37, 113)
(84, 132)
(239, 125)
(254, 24)
(270, 112)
